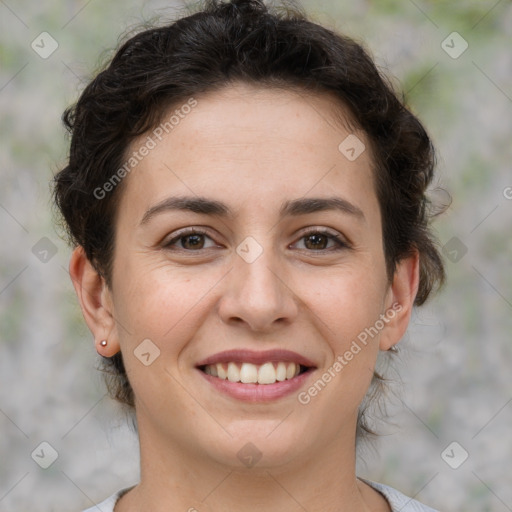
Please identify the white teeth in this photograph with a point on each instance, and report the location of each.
(249, 373)
(267, 374)
(233, 373)
(221, 373)
(281, 372)
(211, 370)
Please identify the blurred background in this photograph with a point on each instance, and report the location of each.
(449, 439)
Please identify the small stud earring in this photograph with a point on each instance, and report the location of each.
(103, 343)
(394, 349)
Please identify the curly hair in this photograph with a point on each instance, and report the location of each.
(241, 41)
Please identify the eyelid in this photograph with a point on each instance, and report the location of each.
(340, 240)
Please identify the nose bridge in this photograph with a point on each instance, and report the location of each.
(259, 279)
(256, 293)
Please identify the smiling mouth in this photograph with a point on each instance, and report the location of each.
(248, 373)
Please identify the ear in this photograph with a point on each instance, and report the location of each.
(400, 300)
(96, 302)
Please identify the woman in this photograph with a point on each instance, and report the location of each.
(246, 198)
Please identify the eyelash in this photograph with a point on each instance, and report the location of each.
(341, 244)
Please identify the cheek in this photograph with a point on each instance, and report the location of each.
(162, 303)
(347, 302)
(346, 308)
(166, 307)
(352, 314)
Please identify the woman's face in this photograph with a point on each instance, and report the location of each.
(250, 237)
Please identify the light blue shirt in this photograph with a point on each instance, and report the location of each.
(397, 501)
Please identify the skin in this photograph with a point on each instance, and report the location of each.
(252, 149)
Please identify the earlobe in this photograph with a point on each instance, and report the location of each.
(400, 301)
(104, 349)
(94, 298)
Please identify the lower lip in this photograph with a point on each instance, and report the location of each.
(257, 392)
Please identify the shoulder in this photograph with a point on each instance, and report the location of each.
(108, 504)
(397, 500)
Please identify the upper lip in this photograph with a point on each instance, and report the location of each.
(257, 357)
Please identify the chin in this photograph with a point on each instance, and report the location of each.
(257, 445)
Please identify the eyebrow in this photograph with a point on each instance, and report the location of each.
(293, 208)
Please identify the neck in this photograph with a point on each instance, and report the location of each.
(174, 477)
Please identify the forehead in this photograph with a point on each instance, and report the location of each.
(241, 116)
(250, 145)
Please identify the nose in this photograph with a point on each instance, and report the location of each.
(258, 295)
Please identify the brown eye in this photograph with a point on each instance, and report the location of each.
(316, 241)
(322, 241)
(191, 240)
